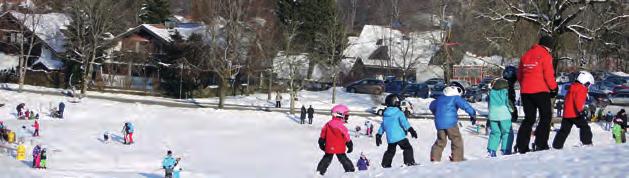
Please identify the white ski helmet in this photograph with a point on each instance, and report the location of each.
(452, 91)
(585, 78)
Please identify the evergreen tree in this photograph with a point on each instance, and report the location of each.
(155, 11)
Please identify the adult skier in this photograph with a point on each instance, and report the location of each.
(334, 139)
(574, 111)
(395, 125)
(537, 86)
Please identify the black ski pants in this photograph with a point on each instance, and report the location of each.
(585, 133)
(327, 159)
(533, 103)
(407, 149)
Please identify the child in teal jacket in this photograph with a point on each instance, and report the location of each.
(499, 118)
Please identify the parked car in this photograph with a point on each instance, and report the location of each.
(619, 98)
(405, 105)
(368, 86)
(617, 80)
(434, 81)
(420, 90)
(484, 84)
(473, 94)
(395, 86)
(437, 90)
(619, 89)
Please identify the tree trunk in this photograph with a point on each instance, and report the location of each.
(22, 73)
(292, 96)
(222, 90)
(269, 97)
(334, 88)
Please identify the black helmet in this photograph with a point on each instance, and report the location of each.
(393, 100)
(510, 73)
(459, 87)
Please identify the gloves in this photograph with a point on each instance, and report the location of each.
(378, 139)
(553, 92)
(350, 146)
(473, 119)
(413, 133)
(322, 144)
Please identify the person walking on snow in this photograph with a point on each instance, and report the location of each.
(537, 87)
(559, 108)
(499, 118)
(445, 108)
(620, 127)
(278, 100)
(62, 107)
(128, 133)
(363, 163)
(310, 114)
(302, 116)
(395, 125)
(168, 164)
(369, 128)
(574, 111)
(335, 140)
(36, 127)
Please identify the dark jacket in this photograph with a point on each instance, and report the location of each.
(310, 112)
(303, 113)
(62, 106)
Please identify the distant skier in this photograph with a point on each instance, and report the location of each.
(278, 100)
(168, 164)
(537, 86)
(335, 140)
(395, 125)
(574, 113)
(620, 127)
(369, 128)
(357, 131)
(499, 119)
(62, 107)
(36, 127)
(310, 114)
(127, 131)
(445, 110)
(302, 116)
(559, 108)
(363, 163)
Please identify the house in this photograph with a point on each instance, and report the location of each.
(382, 51)
(49, 41)
(138, 52)
(284, 64)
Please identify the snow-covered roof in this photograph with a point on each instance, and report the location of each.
(417, 47)
(185, 30)
(472, 59)
(49, 60)
(8, 61)
(47, 27)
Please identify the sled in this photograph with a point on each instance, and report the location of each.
(21, 153)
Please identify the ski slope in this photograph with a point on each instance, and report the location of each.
(218, 143)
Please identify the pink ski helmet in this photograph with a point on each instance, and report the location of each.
(340, 111)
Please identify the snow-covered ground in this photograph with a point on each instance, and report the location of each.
(218, 143)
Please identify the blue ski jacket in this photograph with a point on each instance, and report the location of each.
(445, 110)
(394, 124)
(169, 162)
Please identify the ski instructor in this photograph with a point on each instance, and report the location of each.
(537, 86)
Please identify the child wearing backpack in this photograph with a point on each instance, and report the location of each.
(499, 118)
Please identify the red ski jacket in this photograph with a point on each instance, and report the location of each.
(575, 100)
(336, 136)
(535, 72)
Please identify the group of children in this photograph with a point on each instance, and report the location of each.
(24, 113)
(335, 140)
(39, 157)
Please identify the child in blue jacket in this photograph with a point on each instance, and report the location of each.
(396, 126)
(445, 110)
(499, 118)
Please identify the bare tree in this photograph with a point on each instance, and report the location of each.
(89, 34)
(556, 17)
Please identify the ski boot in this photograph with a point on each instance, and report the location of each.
(491, 154)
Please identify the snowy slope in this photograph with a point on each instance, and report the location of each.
(216, 143)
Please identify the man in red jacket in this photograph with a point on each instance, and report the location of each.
(537, 86)
(573, 112)
(333, 140)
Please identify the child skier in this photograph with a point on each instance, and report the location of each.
(573, 111)
(36, 156)
(168, 164)
(106, 137)
(369, 128)
(36, 127)
(445, 110)
(499, 118)
(396, 126)
(363, 163)
(620, 127)
(127, 131)
(334, 139)
(42, 157)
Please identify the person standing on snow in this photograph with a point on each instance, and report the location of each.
(559, 108)
(302, 116)
(363, 163)
(537, 87)
(43, 157)
(395, 125)
(128, 129)
(620, 127)
(310, 114)
(335, 140)
(500, 109)
(445, 110)
(62, 107)
(36, 127)
(278, 100)
(36, 156)
(574, 113)
(609, 117)
(168, 164)
(369, 128)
